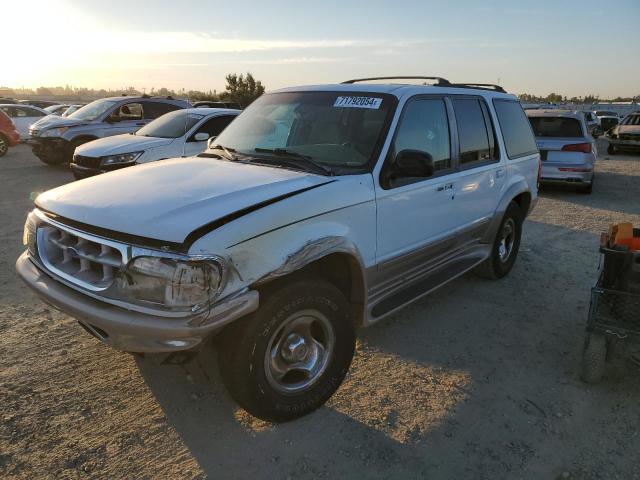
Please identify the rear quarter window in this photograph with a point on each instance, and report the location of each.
(516, 130)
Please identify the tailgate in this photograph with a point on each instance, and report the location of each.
(551, 150)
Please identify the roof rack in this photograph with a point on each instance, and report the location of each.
(439, 80)
(482, 86)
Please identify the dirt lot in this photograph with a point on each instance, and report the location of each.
(480, 380)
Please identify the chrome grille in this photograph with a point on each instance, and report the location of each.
(83, 261)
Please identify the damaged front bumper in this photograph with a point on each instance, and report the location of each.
(48, 148)
(130, 330)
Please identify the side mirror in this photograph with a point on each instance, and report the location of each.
(201, 137)
(211, 142)
(414, 163)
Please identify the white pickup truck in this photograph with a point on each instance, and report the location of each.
(318, 210)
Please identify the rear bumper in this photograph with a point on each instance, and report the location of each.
(12, 136)
(129, 330)
(566, 173)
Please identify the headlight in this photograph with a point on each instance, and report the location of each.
(172, 283)
(120, 158)
(53, 132)
(29, 233)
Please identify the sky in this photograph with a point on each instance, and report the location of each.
(570, 47)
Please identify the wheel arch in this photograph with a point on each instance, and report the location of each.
(336, 260)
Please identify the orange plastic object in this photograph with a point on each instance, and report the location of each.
(633, 243)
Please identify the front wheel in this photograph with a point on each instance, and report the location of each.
(611, 150)
(505, 246)
(289, 357)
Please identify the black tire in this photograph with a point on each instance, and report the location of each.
(611, 150)
(245, 364)
(497, 265)
(594, 358)
(53, 161)
(587, 189)
(71, 147)
(4, 145)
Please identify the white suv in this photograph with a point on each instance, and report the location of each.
(319, 209)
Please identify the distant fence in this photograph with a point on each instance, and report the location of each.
(621, 108)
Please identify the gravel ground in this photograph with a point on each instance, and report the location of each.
(480, 380)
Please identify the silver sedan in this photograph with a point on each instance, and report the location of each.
(568, 152)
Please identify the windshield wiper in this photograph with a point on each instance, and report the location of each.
(309, 161)
(228, 152)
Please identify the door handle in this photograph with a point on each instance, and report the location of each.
(499, 173)
(448, 186)
(140, 123)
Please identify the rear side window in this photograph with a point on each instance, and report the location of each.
(516, 130)
(128, 112)
(475, 132)
(153, 110)
(556, 127)
(32, 112)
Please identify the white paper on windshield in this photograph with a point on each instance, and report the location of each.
(358, 102)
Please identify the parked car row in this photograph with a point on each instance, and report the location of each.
(181, 133)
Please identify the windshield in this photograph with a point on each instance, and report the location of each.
(334, 129)
(631, 120)
(93, 110)
(171, 125)
(555, 127)
(606, 113)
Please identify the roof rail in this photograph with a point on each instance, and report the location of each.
(440, 80)
(482, 86)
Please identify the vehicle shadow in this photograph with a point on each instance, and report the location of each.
(611, 192)
(479, 380)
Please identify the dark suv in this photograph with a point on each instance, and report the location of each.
(54, 139)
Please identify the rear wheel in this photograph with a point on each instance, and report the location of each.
(4, 145)
(505, 246)
(611, 149)
(289, 357)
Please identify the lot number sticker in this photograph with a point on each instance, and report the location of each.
(358, 102)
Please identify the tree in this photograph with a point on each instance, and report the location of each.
(44, 91)
(241, 89)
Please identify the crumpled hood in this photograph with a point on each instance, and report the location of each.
(628, 129)
(168, 200)
(120, 144)
(54, 121)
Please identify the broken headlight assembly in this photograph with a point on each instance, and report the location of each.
(186, 284)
